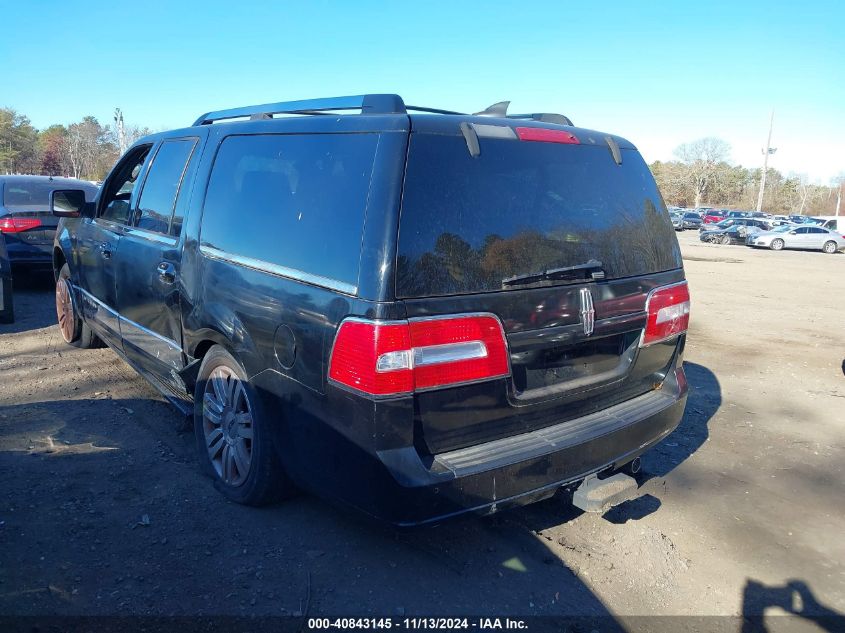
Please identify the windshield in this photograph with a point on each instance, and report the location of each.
(520, 208)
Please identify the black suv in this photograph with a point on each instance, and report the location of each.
(417, 315)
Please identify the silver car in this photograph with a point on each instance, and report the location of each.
(677, 221)
(804, 237)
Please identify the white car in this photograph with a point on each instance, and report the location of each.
(803, 237)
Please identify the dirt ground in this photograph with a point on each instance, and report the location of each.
(104, 511)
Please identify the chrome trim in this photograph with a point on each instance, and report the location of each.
(152, 236)
(588, 311)
(97, 301)
(280, 271)
(168, 341)
(448, 353)
(122, 319)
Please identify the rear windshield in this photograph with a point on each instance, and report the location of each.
(519, 208)
(35, 194)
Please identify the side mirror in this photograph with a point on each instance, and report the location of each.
(793, 232)
(67, 203)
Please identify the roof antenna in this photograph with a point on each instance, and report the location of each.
(497, 109)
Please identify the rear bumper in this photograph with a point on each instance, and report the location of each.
(525, 468)
(24, 253)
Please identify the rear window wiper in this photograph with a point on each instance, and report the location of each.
(595, 267)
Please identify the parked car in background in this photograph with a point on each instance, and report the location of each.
(834, 223)
(691, 220)
(26, 224)
(735, 234)
(378, 307)
(677, 221)
(724, 224)
(7, 310)
(712, 216)
(778, 220)
(799, 237)
(739, 214)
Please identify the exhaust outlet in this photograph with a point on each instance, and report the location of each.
(634, 466)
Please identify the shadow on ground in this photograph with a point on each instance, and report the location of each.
(105, 512)
(795, 598)
(705, 399)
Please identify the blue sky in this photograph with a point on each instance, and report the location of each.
(657, 73)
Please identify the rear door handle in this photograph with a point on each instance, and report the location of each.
(167, 272)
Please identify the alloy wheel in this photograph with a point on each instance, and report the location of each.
(64, 310)
(227, 425)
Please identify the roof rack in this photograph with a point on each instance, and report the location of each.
(369, 104)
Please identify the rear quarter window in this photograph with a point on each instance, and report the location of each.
(519, 208)
(296, 201)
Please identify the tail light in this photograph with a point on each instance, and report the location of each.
(401, 357)
(668, 313)
(545, 135)
(17, 225)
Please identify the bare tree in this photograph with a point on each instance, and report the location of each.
(701, 159)
(803, 191)
(84, 146)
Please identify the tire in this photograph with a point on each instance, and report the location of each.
(830, 247)
(725, 240)
(776, 245)
(233, 437)
(72, 328)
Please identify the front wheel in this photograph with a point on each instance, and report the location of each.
(233, 435)
(830, 247)
(725, 240)
(73, 329)
(776, 245)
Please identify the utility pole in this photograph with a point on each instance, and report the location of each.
(769, 150)
(121, 131)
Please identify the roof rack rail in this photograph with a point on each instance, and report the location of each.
(369, 104)
(544, 117)
(432, 110)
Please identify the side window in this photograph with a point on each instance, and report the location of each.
(803, 231)
(158, 196)
(296, 201)
(117, 198)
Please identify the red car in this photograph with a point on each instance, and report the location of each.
(713, 216)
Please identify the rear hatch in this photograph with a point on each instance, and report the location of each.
(562, 241)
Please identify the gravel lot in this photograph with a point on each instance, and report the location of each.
(104, 510)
